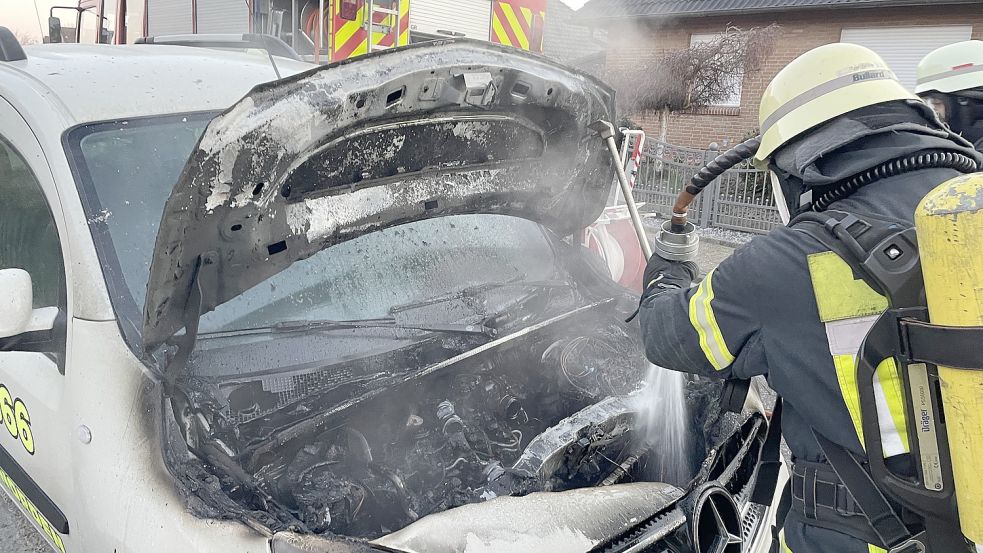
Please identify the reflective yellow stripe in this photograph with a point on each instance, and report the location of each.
(781, 541)
(500, 34)
(890, 381)
(838, 294)
(347, 31)
(874, 549)
(404, 14)
(702, 318)
(842, 301)
(846, 375)
(516, 27)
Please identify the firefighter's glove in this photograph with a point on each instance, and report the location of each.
(662, 275)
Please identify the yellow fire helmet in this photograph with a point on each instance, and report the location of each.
(952, 68)
(822, 84)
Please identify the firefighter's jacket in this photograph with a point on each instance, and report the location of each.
(787, 308)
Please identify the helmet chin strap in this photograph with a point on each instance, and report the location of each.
(779, 195)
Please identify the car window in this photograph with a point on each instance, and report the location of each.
(28, 235)
(134, 166)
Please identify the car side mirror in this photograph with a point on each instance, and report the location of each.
(54, 29)
(17, 313)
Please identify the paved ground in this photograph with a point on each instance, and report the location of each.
(18, 536)
(710, 255)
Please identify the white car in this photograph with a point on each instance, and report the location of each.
(332, 313)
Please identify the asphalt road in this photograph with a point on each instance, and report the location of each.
(16, 533)
(18, 536)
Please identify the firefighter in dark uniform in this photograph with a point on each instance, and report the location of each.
(950, 80)
(786, 307)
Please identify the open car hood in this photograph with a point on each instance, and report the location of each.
(315, 159)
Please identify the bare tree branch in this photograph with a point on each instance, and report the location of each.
(25, 38)
(704, 74)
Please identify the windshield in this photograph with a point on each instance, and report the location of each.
(127, 169)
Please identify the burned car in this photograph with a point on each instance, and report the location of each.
(364, 324)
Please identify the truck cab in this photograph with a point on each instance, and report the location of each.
(344, 28)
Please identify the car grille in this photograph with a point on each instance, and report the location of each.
(734, 468)
(754, 516)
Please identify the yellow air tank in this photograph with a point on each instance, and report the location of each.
(949, 222)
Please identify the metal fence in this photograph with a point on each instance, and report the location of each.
(740, 199)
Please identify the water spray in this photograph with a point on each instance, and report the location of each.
(663, 412)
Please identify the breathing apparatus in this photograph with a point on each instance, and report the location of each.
(839, 157)
(813, 94)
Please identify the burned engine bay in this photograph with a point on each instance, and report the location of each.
(550, 407)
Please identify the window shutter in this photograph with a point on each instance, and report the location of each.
(903, 47)
(469, 17)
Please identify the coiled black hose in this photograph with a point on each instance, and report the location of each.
(722, 163)
(914, 162)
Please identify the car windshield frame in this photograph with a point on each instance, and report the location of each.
(129, 313)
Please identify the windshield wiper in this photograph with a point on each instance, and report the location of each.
(477, 289)
(327, 325)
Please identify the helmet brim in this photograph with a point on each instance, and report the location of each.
(955, 83)
(827, 107)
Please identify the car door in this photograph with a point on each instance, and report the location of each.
(34, 438)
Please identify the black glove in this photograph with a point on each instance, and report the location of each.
(662, 275)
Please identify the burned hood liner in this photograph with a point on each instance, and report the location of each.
(307, 162)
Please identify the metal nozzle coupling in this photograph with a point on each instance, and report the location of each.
(676, 246)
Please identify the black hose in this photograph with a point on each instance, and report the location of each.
(914, 162)
(705, 176)
(722, 163)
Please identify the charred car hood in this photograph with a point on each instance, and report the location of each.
(309, 161)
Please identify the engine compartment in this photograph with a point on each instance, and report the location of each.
(552, 409)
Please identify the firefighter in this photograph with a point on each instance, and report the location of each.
(835, 123)
(950, 79)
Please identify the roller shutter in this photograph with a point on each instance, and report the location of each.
(168, 17)
(903, 47)
(472, 18)
(223, 16)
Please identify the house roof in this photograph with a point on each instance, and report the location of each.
(596, 10)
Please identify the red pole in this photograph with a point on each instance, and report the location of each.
(120, 35)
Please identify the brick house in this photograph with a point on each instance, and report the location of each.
(567, 41)
(901, 31)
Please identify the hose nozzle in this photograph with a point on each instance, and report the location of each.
(674, 245)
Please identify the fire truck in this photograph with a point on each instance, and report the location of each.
(319, 30)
